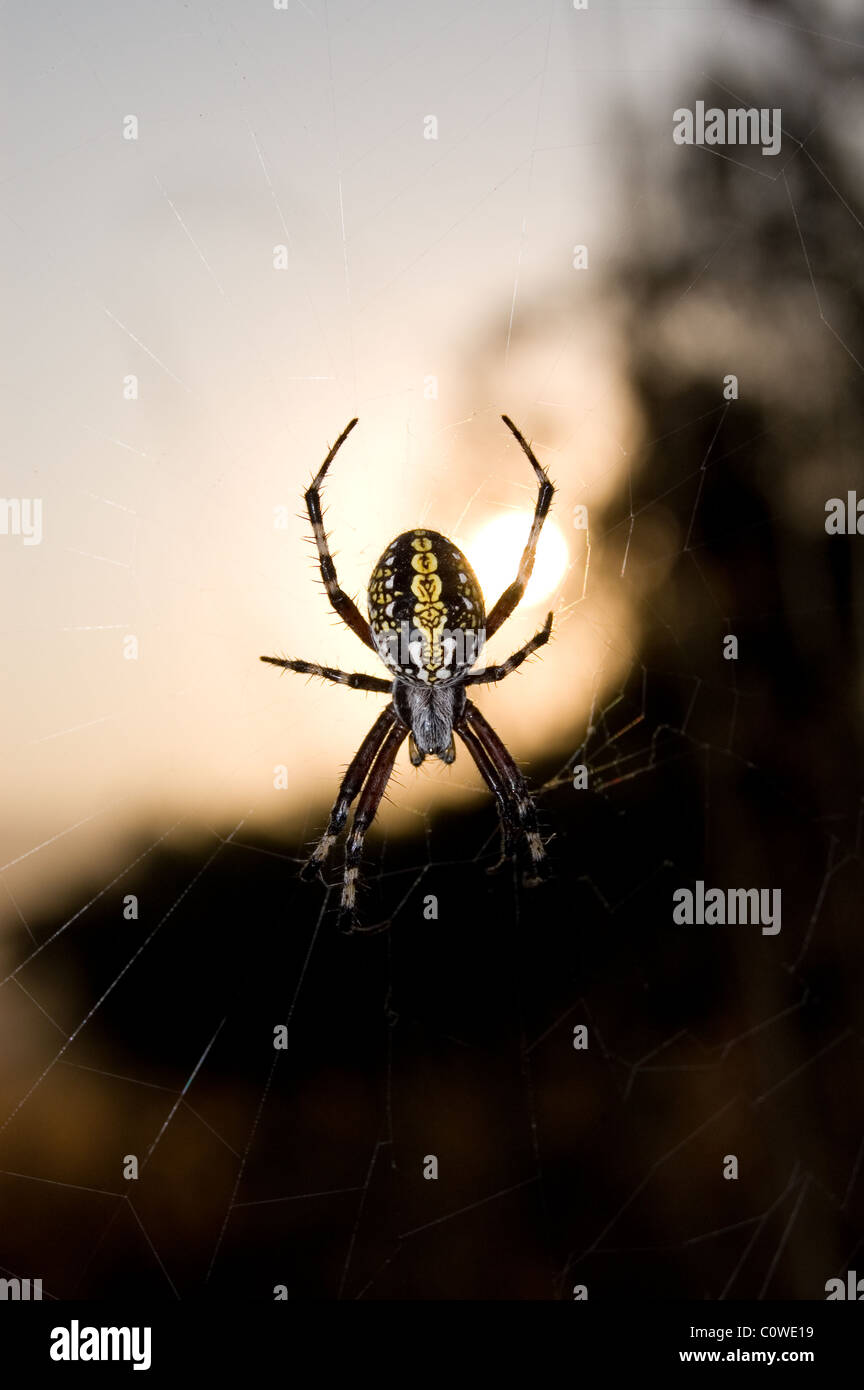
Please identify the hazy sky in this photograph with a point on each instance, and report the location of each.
(193, 314)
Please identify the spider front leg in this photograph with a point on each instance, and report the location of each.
(511, 596)
(367, 806)
(506, 816)
(509, 786)
(344, 606)
(497, 673)
(353, 780)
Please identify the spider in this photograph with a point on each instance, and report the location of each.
(427, 622)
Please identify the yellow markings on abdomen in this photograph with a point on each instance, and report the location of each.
(430, 614)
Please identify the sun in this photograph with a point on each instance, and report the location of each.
(496, 549)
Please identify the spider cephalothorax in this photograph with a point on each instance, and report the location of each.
(427, 622)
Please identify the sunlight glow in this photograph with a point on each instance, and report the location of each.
(495, 553)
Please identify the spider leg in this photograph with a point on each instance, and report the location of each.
(512, 784)
(511, 596)
(357, 680)
(506, 810)
(344, 606)
(367, 806)
(497, 673)
(358, 770)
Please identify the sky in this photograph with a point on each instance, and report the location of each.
(227, 229)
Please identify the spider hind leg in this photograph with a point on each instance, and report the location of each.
(545, 492)
(341, 602)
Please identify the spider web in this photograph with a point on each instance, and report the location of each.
(451, 1035)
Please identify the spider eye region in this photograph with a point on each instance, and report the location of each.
(426, 609)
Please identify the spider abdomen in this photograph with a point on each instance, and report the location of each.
(426, 610)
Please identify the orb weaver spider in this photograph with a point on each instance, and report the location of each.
(427, 623)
